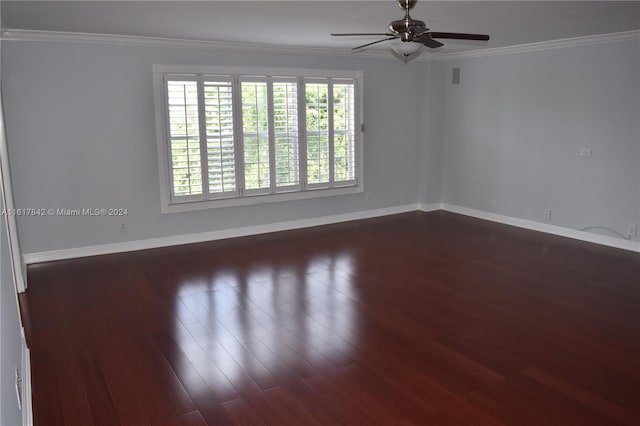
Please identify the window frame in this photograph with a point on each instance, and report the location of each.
(302, 190)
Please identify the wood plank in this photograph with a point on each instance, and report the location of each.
(412, 319)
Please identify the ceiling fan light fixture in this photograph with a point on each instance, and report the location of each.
(405, 48)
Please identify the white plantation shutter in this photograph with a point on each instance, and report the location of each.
(344, 133)
(184, 136)
(236, 136)
(285, 123)
(317, 126)
(270, 134)
(218, 110)
(330, 130)
(255, 135)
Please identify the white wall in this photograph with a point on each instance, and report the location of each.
(81, 131)
(10, 339)
(431, 146)
(10, 336)
(513, 129)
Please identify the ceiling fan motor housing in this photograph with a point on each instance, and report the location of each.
(407, 28)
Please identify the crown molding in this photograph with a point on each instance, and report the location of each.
(125, 40)
(122, 40)
(543, 45)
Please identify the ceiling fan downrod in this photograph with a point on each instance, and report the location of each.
(406, 5)
(407, 28)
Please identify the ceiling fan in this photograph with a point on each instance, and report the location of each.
(411, 34)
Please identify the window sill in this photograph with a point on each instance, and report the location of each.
(178, 207)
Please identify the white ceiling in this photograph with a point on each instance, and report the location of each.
(308, 23)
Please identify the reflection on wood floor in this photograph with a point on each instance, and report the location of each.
(420, 318)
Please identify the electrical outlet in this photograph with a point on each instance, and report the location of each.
(493, 203)
(547, 213)
(123, 227)
(631, 230)
(585, 152)
(367, 196)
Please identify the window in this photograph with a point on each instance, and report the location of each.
(233, 137)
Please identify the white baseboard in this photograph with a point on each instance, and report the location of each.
(49, 256)
(546, 228)
(430, 207)
(127, 246)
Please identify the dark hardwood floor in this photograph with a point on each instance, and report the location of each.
(413, 319)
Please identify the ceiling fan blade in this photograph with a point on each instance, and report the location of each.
(375, 42)
(428, 41)
(361, 34)
(460, 36)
